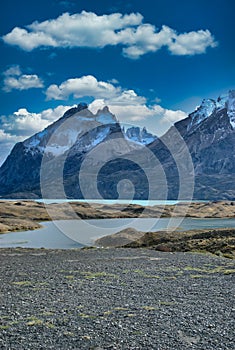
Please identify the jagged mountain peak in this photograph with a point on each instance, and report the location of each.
(231, 107)
(74, 124)
(105, 109)
(231, 93)
(81, 106)
(138, 135)
(104, 116)
(206, 109)
(211, 107)
(208, 134)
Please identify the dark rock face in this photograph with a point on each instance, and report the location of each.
(62, 145)
(140, 135)
(211, 143)
(20, 172)
(194, 159)
(208, 136)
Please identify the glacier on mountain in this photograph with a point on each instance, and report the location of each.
(104, 116)
(140, 136)
(207, 134)
(210, 106)
(231, 107)
(207, 107)
(79, 129)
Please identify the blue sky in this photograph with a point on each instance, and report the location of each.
(151, 61)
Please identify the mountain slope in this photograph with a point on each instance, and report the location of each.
(67, 140)
(197, 156)
(209, 134)
(86, 155)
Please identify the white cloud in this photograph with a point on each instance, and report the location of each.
(127, 97)
(6, 137)
(113, 81)
(24, 82)
(28, 122)
(129, 112)
(7, 141)
(78, 87)
(28, 40)
(23, 124)
(192, 43)
(126, 104)
(86, 29)
(88, 85)
(156, 118)
(13, 71)
(15, 80)
(168, 116)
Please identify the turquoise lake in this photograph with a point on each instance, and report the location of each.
(67, 234)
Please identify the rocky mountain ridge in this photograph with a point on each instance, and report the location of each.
(126, 163)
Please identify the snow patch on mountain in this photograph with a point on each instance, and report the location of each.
(140, 136)
(90, 140)
(221, 102)
(207, 107)
(231, 107)
(79, 129)
(55, 150)
(104, 116)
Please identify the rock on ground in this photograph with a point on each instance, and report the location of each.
(115, 299)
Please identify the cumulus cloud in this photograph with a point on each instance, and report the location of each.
(88, 85)
(7, 141)
(13, 71)
(86, 29)
(78, 87)
(156, 118)
(24, 82)
(126, 104)
(113, 81)
(23, 124)
(192, 43)
(16, 80)
(168, 116)
(130, 112)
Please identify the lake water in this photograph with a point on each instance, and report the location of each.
(113, 201)
(67, 234)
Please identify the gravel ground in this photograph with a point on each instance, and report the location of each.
(115, 299)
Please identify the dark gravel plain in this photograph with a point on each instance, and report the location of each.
(115, 299)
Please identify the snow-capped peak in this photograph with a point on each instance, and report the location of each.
(74, 110)
(207, 107)
(221, 102)
(75, 123)
(140, 136)
(104, 116)
(231, 107)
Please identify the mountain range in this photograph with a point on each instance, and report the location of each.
(86, 155)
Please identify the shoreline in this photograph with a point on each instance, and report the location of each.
(18, 216)
(216, 241)
(27, 215)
